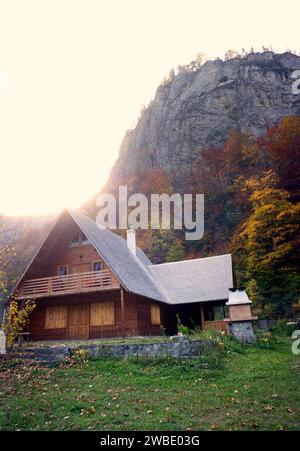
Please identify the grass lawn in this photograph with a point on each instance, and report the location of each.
(101, 341)
(240, 388)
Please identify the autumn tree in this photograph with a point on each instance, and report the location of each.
(156, 244)
(282, 145)
(6, 254)
(18, 245)
(267, 247)
(217, 176)
(17, 319)
(176, 252)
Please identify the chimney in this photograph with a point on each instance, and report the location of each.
(238, 296)
(131, 244)
(240, 319)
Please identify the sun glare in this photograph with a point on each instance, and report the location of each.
(74, 76)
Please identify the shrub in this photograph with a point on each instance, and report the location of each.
(266, 340)
(183, 330)
(281, 328)
(17, 319)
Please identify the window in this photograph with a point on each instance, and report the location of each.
(56, 317)
(219, 313)
(75, 241)
(79, 239)
(155, 315)
(103, 313)
(76, 238)
(84, 239)
(63, 270)
(214, 312)
(96, 266)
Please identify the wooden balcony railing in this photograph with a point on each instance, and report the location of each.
(73, 283)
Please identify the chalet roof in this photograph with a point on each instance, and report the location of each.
(199, 280)
(131, 270)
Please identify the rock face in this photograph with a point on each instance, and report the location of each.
(197, 108)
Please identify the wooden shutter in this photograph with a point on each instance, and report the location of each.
(155, 315)
(103, 313)
(56, 317)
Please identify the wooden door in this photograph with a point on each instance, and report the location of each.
(79, 321)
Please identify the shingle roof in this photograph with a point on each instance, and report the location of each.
(199, 280)
(131, 270)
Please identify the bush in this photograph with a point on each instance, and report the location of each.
(283, 329)
(266, 340)
(183, 330)
(17, 319)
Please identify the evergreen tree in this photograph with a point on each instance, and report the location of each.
(175, 252)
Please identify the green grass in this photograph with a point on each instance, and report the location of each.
(251, 388)
(101, 341)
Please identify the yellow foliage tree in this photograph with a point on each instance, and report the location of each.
(17, 319)
(268, 245)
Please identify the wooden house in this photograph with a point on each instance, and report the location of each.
(90, 283)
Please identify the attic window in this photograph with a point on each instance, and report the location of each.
(78, 239)
(75, 241)
(84, 239)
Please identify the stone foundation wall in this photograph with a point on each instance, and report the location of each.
(179, 349)
(182, 348)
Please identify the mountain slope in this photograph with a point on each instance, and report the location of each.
(197, 108)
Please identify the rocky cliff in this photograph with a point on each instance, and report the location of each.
(196, 109)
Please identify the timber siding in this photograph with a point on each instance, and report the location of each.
(137, 316)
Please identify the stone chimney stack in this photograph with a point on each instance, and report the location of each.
(131, 243)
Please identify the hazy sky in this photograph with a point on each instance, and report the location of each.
(75, 73)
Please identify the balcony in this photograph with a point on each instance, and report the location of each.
(73, 283)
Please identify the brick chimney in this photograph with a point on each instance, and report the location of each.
(131, 243)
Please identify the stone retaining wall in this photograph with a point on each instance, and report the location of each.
(182, 348)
